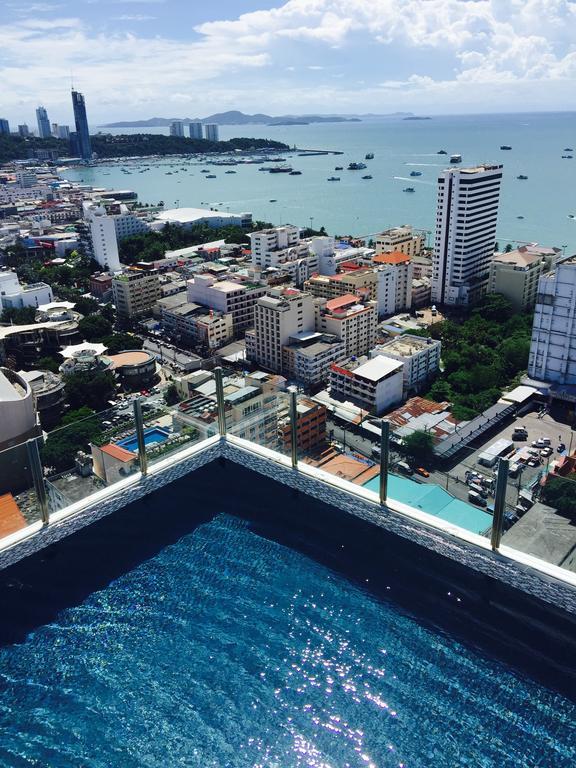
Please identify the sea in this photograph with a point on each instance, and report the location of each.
(536, 209)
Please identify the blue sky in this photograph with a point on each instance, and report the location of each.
(141, 58)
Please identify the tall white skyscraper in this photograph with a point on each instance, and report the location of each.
(44, 128)
(177, 128)
(211, 132)
(466, 219)
(195, 130)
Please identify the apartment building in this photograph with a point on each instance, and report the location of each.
(267, 243)
(516, 274)
(280, 316)
(466, 217)
(227, 296)
(352, 321)
(401, 264)
(308, 360)
(192, 324)
(135, 292)
(310, 428)
(553, 345)
(105, 225)
(401, 239)
(420, 358)
(375, 385)
(421, 292)
(14, 295)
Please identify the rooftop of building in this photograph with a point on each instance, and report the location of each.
(406, 345)
(522, 257)
(190, 215)
(12, 386)
(394, 257)
(131, 357)
(341, 302)
(374, 370)
(418, 413)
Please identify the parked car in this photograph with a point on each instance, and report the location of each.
(405, 468)
(520, 433)
(538, 443)
(421, 471)
(546, 451)
(475, 498)
(561, 448)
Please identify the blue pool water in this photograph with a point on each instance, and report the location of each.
(430, 498)
(229, 650)
(152, 436)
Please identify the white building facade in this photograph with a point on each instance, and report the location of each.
(420, 358)
(375, 385)
(466, 218)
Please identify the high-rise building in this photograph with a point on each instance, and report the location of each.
(211, 132)
(195, 130)
(233, 297)
(4, 127)
(82, 132)
(44, 130)
(23, 131)
(466, 219)
(98, 236)
(515, 274)
(553, 345)
(54, 130)
(177, 128)
(350, 319)
(63, 132)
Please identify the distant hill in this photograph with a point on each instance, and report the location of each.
(234, 117)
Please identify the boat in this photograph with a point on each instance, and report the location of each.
(441, 152)
(168, 173)
(505, 146)
(415, 173)
(571, 216)
(408, 189)
(357, 166)
(295, 173)
(339, 168)
(230, 171)
(455, 158)
(367, 176)
(521, 176)
(273, 201)
(210, 176)
(567, 157)
(519, 217)
(369, 156)
(568, 149)
(280, 169)
(333, 178)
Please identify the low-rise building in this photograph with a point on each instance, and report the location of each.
(192, 324)
(376, 384)
(18, 423)
(14, 295)
(420, 358)
(48, 393)
(308, 359)
(421, 292)
(401, 239)
(310, 428)
(135, 369)
(192, 217)
(135, 293)
(515, 274)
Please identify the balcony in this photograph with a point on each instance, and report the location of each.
(136, 453)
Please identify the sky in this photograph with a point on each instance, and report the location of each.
(136, 59)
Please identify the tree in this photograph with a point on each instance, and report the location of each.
(86, 306)
(419, 447)
(63, 444)
(118, 342)
(171, 395)
(94, 328)
(560, 493)
(508, 248)
(48, 363)
(90, 388)
(19, 316)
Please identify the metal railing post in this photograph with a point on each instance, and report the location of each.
(294, 429)
(220, 401)
(384, 459)
(499, 504)
(38, 478)
(139, 423)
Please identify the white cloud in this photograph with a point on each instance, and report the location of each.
(415, 48)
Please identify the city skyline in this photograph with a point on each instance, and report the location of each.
(142, 58)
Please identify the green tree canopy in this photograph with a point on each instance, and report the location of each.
(95, 328)
(118, 342)
(92, 389)
(419, 447)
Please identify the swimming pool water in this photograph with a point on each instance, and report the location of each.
(230, 650)
(429, 497)
(152, 436)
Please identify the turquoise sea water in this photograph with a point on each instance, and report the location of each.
(361, 207)
(231, 650)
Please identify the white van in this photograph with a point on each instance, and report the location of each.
(403, 467)
(475, 498)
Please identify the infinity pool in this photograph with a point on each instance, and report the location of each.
(226, 648)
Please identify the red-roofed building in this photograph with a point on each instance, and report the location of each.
(113, 463)
(348, 300)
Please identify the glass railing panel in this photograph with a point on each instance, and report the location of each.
(86, 454)
(19, 504)
(262, 419)
(169, 429)
(541, 515)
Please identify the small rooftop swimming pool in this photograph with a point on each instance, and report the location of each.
(430, 498)
(152, 436)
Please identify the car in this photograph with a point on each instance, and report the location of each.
(546, 451)
(421, 471)
(533, 462)
(405, 468)
(538, 443)
(475, 498)
(533, 452)
(520, 433)
(561, 448)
